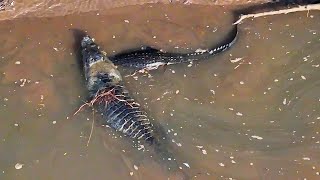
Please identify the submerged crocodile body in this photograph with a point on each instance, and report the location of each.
(104, 83)
(118, 109)
(150, 58)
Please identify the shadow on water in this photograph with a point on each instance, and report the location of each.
(78, 34)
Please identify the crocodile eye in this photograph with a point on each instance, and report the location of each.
(105, 80)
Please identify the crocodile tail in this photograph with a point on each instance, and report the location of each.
(230, 39)
(151, 58)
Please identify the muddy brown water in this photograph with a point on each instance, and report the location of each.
(252, 112)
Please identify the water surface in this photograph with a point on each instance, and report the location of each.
(252, 112)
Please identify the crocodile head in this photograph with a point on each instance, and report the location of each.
(99, 70)
(90, 51)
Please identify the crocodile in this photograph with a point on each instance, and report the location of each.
(150, 58)
(118, 109)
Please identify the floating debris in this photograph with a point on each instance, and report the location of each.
(239, 114)
(257, 137)
(23, 82)
(284, 102)
(186, 164)
(18, 166)
(235, 60)
(204, 151)
(221, 164)
(306, 158)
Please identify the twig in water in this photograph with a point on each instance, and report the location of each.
(80, 108)
(102, 96)
(283, 11)
(92, 124)
(96, 98)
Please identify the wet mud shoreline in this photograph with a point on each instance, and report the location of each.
(11, 9)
